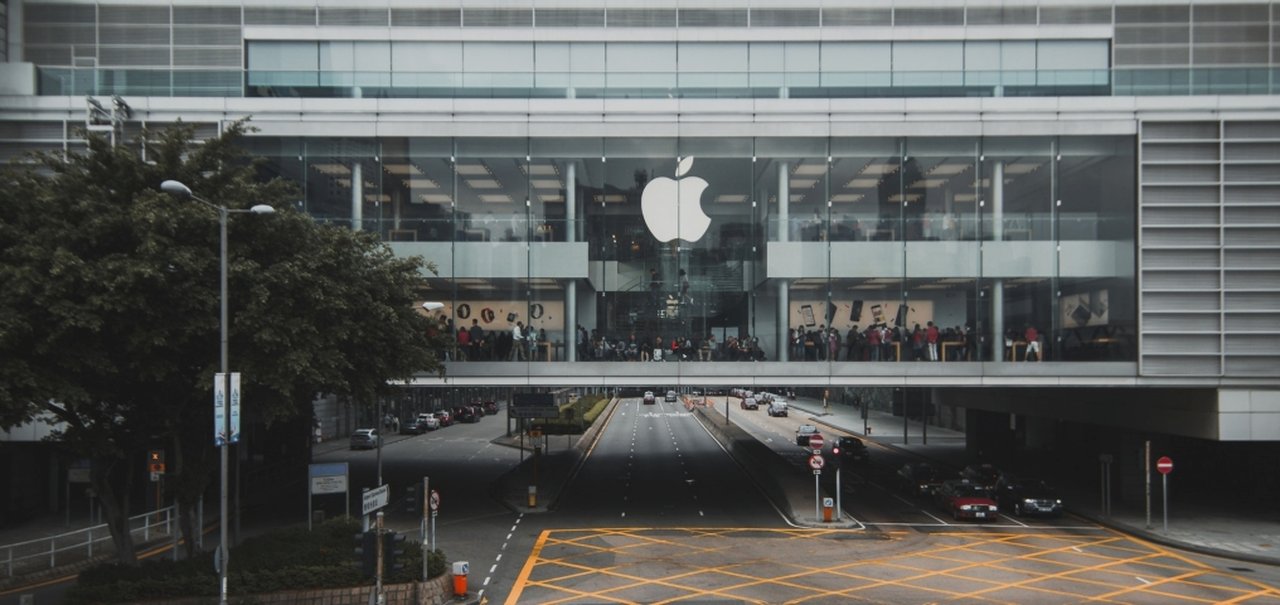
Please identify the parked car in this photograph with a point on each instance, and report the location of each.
(778, 408)
(804, 432)
(491, 407)
(749, 403)
(446, 417)
(966, 500)
(649, 398)
(672, 397)
(478, 408)
(365, 439)
(465, 413)
(429, 421)
(984, 475)
(919, 479)
(1027, 496)
(852, 450)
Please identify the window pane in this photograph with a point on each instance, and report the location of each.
(284, 56)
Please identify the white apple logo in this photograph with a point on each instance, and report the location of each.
(673, 208)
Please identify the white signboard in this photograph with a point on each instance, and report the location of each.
(328, 478)
(235, 407)
(219, 409)
(376, 498)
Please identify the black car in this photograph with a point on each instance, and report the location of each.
(983, 475)
(1028, 496)
(852, 450)
(465, 414)
(920, 479)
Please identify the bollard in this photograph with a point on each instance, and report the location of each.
(460, 569)
(533, 496)
(827, 506)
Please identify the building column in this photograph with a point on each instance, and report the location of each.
(571, 235)
(997, 285)
(784, 202)
(357, 195)
(784, 318)
(784, 235)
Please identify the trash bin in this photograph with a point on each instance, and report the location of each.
(460, 569)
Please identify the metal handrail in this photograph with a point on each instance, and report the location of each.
(161, 522)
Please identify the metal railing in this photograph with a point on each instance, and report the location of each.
(82, 544)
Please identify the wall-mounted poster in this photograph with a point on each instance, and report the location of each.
(1085, 309)
(806, 311)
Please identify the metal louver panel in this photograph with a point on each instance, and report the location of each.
(1252, 236)
(709, 17)
(641, 17)
(1181, 152)
(60, 34)
(1153, 14)
(61, 13)
(133, 56)
(856, 16)
(497, 17)
(907, 17)
(133, 15)
(1251, 173)
(279, 16)
(1187, 173)
(206, 15)
(1204, 55)
(1182, 280)
(1184, 195)
(1251, 151)
(1067, 15)
(1249, 322)
(1180, 301)
(207, 57)
(426, 17)
(1251, 130)
(1270, 215)
(1180, 323)
(1179, 259)
(46, 55)
(1252, 259)
(134, 35)
(1180, 236)
(206, 36)
(1181, 344)
(1180, 130)
(1152, 56)
(569, 17)
(785, 17)
(1152, 34)
(1181, 216)
(1251, 195)
(353, 16)
(1003, 15)
(32, 131)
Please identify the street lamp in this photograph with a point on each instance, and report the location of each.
(180, 190)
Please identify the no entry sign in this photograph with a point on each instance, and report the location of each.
(1164, 465)
(816, 442)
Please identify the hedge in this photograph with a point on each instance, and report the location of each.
(286, 559)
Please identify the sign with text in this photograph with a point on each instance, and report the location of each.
(219, 409)
(235, 407)
(376, 498)
(328, 478)
(533, 405)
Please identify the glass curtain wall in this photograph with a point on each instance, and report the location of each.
(999, 242)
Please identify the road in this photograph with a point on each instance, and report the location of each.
(659, 512)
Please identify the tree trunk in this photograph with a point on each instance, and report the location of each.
(191, 477)
(111, 484)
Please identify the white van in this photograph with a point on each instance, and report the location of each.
(777, 408)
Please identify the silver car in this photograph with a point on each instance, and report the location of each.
(365, 439)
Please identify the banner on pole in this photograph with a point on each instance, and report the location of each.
(219, 409)
(235, 407)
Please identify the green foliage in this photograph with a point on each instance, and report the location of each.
(287, 559)
(597, 407)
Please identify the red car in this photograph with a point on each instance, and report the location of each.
(965, 500)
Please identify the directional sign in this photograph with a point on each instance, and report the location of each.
(816, 462)
(533, 405)
(376, 498)
(1164, 465)
(435, 500)
(816, 442)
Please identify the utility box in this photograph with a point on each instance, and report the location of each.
(460, 570)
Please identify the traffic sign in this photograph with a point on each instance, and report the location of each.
(376, 498)
(435, 500)
(816, 442)
(816, 462)
(1164, 465)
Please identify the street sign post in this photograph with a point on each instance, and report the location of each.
(328, 478)
(533, 405)
(435, 510)
(815, 462)
(1165, 466)
(376, 498)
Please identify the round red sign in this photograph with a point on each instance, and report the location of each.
(1164, 465)
(816, 442)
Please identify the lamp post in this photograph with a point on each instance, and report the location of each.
(178, 189)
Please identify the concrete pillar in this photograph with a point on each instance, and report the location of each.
(784, 319)
(571, 321)
(571, 202)
(784, 202)
(357, 196)
(997, 285)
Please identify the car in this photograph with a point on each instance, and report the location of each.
(919, 479)
(649, 398)
(465, 413)
(671, 397)
(749, 403)
(966, 500)
(984, 475)
(365, 439)
(778, 408)
(446, 417)
(429, 421)
(491, 407)
(852, 450)
(477, 408)
(1028, 496)
(412, 427)
(804, 432)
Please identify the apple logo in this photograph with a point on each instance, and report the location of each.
(673, 208)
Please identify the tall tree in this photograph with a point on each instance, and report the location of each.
(109, 323)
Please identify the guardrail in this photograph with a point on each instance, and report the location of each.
(82, 544)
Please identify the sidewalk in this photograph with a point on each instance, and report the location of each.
(1218, 529)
